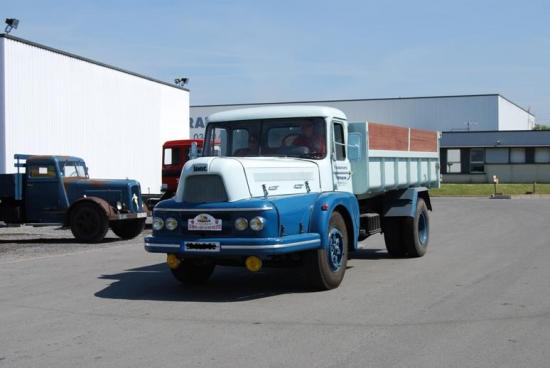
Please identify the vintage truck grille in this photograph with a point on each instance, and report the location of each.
(204, 189)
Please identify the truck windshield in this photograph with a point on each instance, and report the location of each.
(74, 169)
(295, 137)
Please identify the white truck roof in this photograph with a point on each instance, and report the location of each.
(285, 111)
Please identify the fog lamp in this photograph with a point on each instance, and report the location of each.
(241, 224)
(257, 223)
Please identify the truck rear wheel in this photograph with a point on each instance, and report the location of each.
(408, 236)
(325, 268)
(393, 228)
(128, 229)
(193, 271)
(89, 223)
(416, 231)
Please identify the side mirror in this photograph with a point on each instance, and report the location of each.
(354, 146)
(194, 152)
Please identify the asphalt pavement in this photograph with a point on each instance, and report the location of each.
(479, 298)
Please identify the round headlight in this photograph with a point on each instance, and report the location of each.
(158, 223)
(118, 205)
(257, 223)
(171, 223)
(241, 224)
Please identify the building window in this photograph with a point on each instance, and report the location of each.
(496, 155)
(542, 155)
(517, 155)
(453, 161)
(477, 160)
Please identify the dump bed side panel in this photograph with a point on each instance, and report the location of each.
(394, 157)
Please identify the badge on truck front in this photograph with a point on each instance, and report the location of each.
(204, 222)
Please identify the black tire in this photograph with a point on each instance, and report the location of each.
(128, 229)
(393, 227)
(325, 268)
(416, 231)
(89, 224)
(193, 271)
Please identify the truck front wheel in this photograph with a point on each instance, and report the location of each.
(128, 229)
(193, 270)
(89, 223)
(325, 267)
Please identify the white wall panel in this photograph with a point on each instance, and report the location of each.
(512, 117)
(117, 122)
(2, 110)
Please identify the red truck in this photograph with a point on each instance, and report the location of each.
(174, 155)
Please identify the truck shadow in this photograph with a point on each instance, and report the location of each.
(52, 241)
(370, 254)
(227, 284)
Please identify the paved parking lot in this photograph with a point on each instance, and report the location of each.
(479, 298)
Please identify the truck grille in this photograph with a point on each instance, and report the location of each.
(204, 189)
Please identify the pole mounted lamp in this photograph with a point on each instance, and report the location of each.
(11, 23)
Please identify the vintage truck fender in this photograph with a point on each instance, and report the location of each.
(326, 204)
(101, 203)
(402, 203)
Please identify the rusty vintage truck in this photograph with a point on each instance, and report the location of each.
(57, 190)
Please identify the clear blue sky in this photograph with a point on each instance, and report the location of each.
(259, 51)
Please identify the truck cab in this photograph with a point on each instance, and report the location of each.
(174, 155)
(57, 190)
(275, 186)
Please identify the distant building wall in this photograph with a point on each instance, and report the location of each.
(525, 173)
(441, 113)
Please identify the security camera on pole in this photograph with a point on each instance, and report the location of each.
(11, 23)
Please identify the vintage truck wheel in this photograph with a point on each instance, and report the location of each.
(89, 223)
(393, 228)
(325, 268)
(416, 231)
(193, 270)
(128, 229)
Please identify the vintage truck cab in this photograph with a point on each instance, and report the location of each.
(57, 190)
(274, 187)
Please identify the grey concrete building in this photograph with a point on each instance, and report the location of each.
(521, 156)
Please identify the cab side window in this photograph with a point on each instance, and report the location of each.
(339, 143)
(42, 171)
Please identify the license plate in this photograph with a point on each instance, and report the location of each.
(201, 246)
(204, 222)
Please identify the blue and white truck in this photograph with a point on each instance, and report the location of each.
(297, 186)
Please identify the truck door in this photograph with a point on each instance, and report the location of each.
(42, 202)
(341, 168)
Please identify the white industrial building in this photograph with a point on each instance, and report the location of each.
(54, 102)
(441, 113)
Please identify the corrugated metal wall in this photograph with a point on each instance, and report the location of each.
(117, 122)
(439, 113)
(2, 110)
